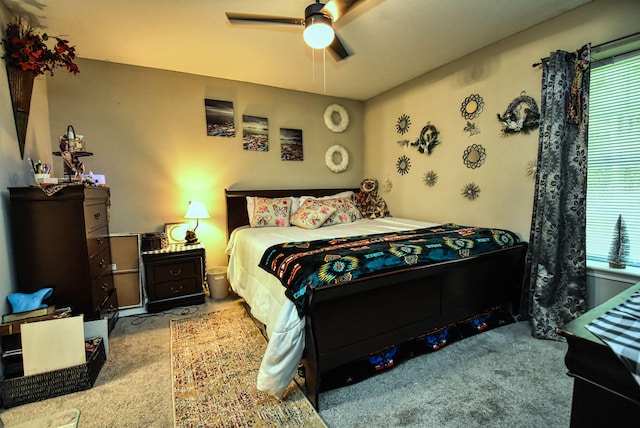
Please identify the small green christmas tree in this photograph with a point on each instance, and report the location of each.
(619, 246)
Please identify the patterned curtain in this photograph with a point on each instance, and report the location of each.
(556, 259)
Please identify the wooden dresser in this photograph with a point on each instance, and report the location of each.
(604, 391)
(62, 241)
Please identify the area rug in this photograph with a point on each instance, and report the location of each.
(214, 361)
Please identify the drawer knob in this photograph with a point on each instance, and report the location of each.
(175, 272)
(177, 290)
(100, 240)
(105, 287)
(96, 216)
(103, 263)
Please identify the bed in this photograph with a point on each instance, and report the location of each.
(343, 323)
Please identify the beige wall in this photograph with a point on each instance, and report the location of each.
(499, 74)
(147, 130)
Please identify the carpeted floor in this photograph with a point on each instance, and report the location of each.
(215, 360)
(501, 378)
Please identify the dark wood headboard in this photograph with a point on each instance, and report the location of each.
(237, 201)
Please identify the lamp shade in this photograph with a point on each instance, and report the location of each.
(318, 32)
(196, 210)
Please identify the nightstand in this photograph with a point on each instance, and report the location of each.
(174, 276)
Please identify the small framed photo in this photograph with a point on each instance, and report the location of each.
(176, 232)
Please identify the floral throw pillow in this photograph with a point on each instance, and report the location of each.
(271, 212)
(346, 211)
(312, 214)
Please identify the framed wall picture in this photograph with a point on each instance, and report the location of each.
(255, 133)
(220, 119)
(176, 232)
(291, 144)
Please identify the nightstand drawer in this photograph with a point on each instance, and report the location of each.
(176, 270)
(166, 290)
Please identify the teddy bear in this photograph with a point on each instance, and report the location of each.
(369, 203)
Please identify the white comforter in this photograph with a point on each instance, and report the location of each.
(265, 294)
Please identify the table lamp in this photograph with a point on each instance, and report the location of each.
(195, 211)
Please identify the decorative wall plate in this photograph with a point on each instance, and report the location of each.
(403, 124)
(522, 115)
(427, 140)
(474, 156)
(403, 165)
(430, 178)
(472, 106)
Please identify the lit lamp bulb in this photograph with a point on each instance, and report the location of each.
(318, 32)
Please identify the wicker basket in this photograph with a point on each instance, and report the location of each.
(154, 241)
(27, 389)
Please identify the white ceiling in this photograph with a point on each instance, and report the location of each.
(393, 41)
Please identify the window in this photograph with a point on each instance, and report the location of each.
(613, 179)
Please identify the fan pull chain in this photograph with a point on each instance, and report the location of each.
(324, 70)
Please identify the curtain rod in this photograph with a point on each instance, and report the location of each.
(602, 46)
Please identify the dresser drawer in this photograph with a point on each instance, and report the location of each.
(176, 270)
(167, 290)
(97, 240)
(95, 216)
(100, 264)
(101, 288)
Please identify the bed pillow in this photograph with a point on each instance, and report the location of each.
(295, 204)
(346, 211)
(270, 212)
(312, 214)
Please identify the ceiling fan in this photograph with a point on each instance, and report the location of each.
(317, 22)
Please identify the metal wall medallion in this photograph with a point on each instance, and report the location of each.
(474, 156)
(471, 191)
(430, 178)
(403, 124)
(472, 106)
(403, 165)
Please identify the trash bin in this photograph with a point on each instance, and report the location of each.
(217, 279)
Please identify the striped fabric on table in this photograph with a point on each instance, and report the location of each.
(619, 328)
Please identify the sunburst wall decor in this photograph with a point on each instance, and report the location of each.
(430, 178)
(403, 165)
(471, 191)
(403, 124)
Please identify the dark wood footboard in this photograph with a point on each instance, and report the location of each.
(347, 323)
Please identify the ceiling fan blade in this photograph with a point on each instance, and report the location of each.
(246, 18)
(337, 8)
(338, 50)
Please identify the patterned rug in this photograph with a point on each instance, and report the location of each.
(214, 361)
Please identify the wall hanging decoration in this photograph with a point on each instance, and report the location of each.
(619, 251)
(471, 128)
(336, 118)
(471, 191)
(472, 106)
(387, 185)
(430, 178)
(522, 115)
(336, 158)
(255, 133)
(26, 56)
(474, 156)
(220, 119)
(291, 144)
(427, 140)
(532, 168)
(403, 164)
(403, 143)
(403, 124)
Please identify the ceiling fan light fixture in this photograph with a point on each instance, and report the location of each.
(318, 32)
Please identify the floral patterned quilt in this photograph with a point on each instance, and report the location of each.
(306, 265)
